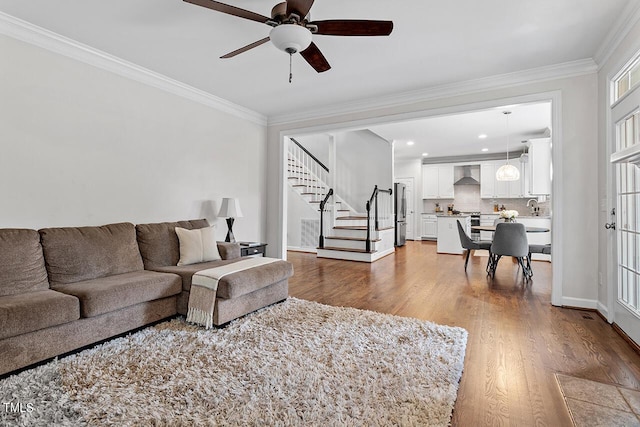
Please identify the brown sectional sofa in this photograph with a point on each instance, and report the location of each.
(65, 288)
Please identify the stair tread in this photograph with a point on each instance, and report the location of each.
(352, 217)
(358, 239)
(361, 251)
(350, 227)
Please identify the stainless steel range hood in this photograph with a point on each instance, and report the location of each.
(467, 178)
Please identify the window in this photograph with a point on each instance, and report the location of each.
(627, 80)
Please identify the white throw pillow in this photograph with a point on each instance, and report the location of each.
(197, 245)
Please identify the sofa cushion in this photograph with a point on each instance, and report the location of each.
(198, 245)
(235, 284)
(229, 250)
(32, 311)
(105, 294)
(186, 271)
(21, 262)
(159, 244)
(246, 281)
(75, 254)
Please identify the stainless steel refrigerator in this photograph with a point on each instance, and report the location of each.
(400, 209)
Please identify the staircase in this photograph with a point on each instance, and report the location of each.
(345, 233)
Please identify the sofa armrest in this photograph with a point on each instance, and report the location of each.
(229, 250)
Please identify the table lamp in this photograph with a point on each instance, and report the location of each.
(230, 210)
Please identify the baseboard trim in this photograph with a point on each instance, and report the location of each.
(603, 311)
(634, 345)
(300, 249)
(579, 303)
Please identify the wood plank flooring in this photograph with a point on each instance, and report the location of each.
(517, 339)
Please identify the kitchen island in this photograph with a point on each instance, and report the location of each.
(448, 237)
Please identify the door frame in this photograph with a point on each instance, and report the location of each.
(557, 199)
(612, 190)
(413, 217)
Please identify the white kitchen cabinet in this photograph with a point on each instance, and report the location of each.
(445, 181)
(448, 236)
(437, 181)
(516, 188)
(487, 180)
(429, 182)
(491, 188)
(540, 166)
(429, 227)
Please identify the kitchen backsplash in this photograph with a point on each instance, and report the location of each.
(467, 199)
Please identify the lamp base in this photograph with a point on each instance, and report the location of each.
(230, 237)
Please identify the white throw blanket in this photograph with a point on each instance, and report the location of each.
(204, 285)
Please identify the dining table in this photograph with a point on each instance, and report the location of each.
(493, 228)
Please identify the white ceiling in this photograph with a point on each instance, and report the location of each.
(433, 43)
(458, 135)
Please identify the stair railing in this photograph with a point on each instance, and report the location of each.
(313, 176)
(307, 169)
(383, 212)
(322, 206)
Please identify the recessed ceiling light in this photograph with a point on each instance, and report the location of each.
(482, 136)
(425, 154)
(410, 142)
(485, 149)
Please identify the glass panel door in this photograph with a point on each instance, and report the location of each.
(626, 116)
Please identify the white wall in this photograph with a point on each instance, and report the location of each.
(628, 47)
(363, 160)
(577, 179)
(83, 146)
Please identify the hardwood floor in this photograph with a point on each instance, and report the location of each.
(517, 339)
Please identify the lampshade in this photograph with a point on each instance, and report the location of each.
(230, 208)
(507, 173)
(290, 38)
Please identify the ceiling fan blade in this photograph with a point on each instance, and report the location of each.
(353, 27)
(299, 7)
(229, 10)
(315, 58)
(246, 48)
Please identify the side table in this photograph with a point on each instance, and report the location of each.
(252, 249)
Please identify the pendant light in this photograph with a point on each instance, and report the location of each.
(507, 172)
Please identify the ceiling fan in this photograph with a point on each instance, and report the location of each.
(292, 29)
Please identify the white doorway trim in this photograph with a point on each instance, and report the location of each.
(557, 200)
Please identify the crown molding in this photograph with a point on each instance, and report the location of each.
(551, 72)
(625, 22)
(38, 36)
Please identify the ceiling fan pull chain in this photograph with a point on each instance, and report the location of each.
(290, 72)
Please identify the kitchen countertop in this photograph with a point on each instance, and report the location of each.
(491, 213)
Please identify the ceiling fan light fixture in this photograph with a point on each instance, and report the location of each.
(290, 38)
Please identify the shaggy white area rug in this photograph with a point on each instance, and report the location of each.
(294, 363)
